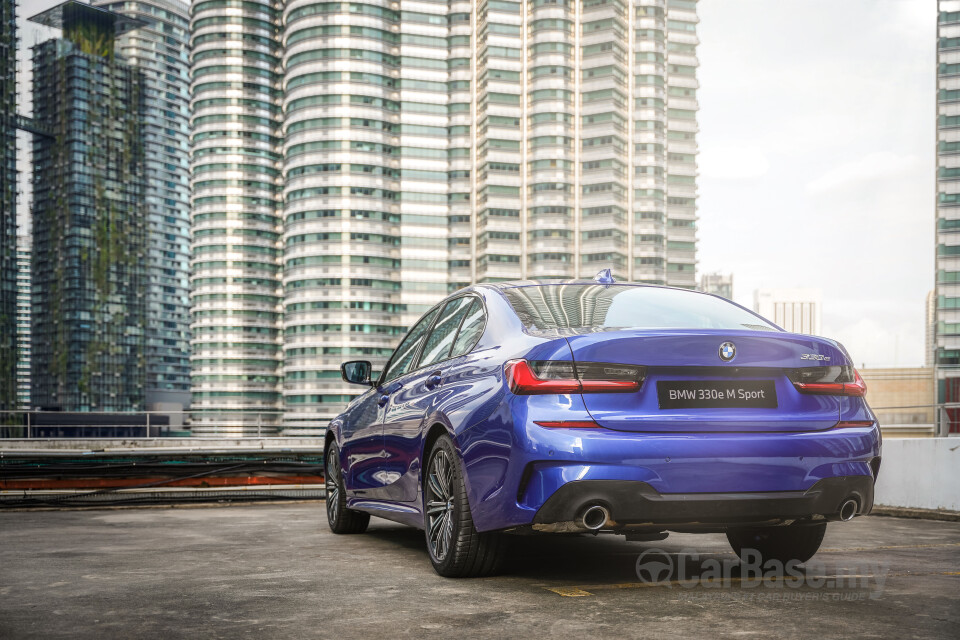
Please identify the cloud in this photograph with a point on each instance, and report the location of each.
(870, 167)
(732, 163)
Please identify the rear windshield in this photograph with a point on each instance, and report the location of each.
(587, 306)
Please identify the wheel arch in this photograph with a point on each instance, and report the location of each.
(328, 438)
(433, 434)
(438, 427)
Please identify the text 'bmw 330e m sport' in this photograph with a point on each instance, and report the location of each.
(559, 407)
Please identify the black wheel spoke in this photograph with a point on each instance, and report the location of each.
(435, 487)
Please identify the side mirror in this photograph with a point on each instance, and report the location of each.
(356, 372)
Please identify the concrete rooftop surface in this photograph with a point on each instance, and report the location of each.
(275, 571)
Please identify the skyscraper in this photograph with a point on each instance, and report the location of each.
(586, 142)
(235, 213)
(89, 243)
(419, 149)
(24, 318)
(159, 50)
(8, 204)
(947, 359)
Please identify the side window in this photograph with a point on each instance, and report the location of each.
(470, 330)
(444, 332)
(403, 357)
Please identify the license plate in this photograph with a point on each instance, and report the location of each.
(712, 394)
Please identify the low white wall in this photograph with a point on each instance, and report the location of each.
(920, 473)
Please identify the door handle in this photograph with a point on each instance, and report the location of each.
(389, 391)
(434, 380)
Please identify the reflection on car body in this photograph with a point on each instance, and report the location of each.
(545, 407)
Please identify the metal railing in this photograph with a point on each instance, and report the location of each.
(142, 424)
(240, 423)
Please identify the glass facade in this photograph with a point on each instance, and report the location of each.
(89, 235)
(8, 204)
(427, 145)
(159, 49)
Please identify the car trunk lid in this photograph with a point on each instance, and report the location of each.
(690, 387)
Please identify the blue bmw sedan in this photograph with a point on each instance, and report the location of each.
(564, 407)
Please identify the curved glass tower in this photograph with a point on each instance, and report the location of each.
(235, 215)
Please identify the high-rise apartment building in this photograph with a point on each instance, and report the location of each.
(796, 310)
(8, 204)
(159, 50)
(371, 157)
(89, 222)
(948, 212)
(236, 293)
(24, 316)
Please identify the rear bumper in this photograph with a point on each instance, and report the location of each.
(638, 503)
(513, 470)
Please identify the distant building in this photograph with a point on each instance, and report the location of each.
(901, 398)
(947, 357)
(8, 204)
(930, 344)
(23, 321)
(720, 284)
(796, 310)
(89, 228)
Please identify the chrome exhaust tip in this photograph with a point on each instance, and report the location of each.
(848, 510)
(594, 517)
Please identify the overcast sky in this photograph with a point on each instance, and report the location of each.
(817, 122)
(817, 158)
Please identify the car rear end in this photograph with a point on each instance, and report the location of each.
(633, 415)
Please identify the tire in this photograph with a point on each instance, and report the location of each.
(456, 548)
(794, 542)
(340, 519)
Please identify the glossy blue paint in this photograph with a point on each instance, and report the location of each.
(512, 466)
(667, 353)
(670, 463)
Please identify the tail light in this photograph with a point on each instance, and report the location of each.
(853, 424)
(568, 424)
(533, 377)
(829, 381)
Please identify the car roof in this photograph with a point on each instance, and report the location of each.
(515, 284)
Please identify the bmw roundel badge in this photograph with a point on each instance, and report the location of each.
(727, 351)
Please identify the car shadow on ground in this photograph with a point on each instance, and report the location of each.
(583, 558)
